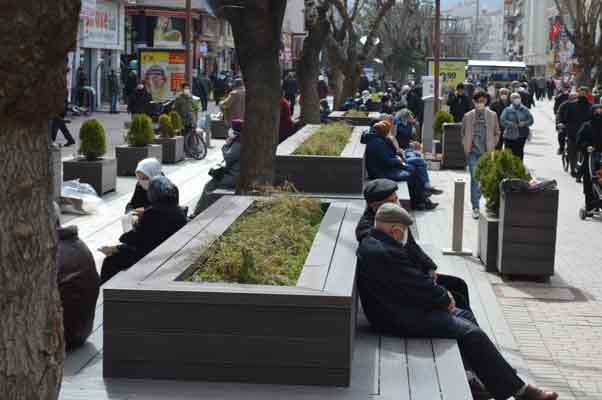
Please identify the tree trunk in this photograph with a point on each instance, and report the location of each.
(36, 37)
(257, 31)
(351, 83)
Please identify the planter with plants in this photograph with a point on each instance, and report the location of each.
(442, 117)
(452, 149)
(252, 290)
(92, 168)
(355, 117)
(140, 145)
(325, 158)
(518, 234)
(172, 144)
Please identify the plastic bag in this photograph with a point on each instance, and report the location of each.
(79, 198)
(535, 185)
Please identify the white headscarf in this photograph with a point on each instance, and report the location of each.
(150, 167)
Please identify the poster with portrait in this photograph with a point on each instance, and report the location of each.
(163, 72)
(169, 32)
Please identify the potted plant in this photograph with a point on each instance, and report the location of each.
(139, 139)
(176, 122)
(173, 146)
(91, 167)
(442, 117)
(492, 168)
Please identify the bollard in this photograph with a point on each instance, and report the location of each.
(458, 221)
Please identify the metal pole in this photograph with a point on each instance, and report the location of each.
(436, 50)
(476, 39)
(188, 36)
(458, 221)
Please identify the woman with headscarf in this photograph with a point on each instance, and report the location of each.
(162, 219)
(146, 170)
(589, 141)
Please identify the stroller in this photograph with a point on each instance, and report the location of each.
(594, 166)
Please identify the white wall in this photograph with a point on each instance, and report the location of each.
(294, 17)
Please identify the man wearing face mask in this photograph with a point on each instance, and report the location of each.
(498, 106)
(183, 106)
(573, 115)
(480, 134)
(516, 120)
(590, 138)
(459, 103)
(139, 101)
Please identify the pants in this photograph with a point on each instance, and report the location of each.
(475, 191)
(458, 289)
(114, 104)
(118, 262)
(59, 124)
(561, 139)
(572, 150)
(291, 99)
(517, 146)
(204, 103)
(478, 352)
(420, 166)
(588, 189)
(204, 201)
(416, 190)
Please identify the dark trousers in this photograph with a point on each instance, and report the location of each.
(591, 202)
(414, 187)
(517, 146)
(59, 124)
(561, 139)
(118, 262)
(114, 104)
(478, 353)
(458, 289)
(204, 103)
(291, 99)
(572, 153)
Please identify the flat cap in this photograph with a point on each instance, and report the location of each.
(390, 213)
(379, 189)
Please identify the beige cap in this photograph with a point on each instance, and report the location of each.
(390, 213)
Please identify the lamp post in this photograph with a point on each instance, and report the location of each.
(188, 36)
(436, 55)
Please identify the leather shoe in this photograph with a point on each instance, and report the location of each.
(533, 393)
(434, 191)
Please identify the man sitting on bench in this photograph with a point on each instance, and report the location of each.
(399, 298)
(381, 191)
(382, 161)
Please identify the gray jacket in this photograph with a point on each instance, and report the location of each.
(231, 154)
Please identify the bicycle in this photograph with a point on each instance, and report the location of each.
(194, 144)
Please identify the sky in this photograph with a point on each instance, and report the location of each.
(489, 4)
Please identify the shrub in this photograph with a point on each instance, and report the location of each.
(268, 244)
(165, 127)
(442, 117)
(93, 140)
(492, 168)
(328, 140)
(176, 121)
(141, 131)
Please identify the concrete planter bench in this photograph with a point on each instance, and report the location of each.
(128, 157)
(527, 233)
(488, 241)
(339, 116)
(101, 174)
(159, 326)
(173, 149)
(322, 174)
(452, 147)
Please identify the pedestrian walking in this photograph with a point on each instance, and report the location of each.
(590, 137)
(480, 134)
(459, 103)
(498, 107)
(82, 81)
(139, 102)
(572, 115)
(233, 106)
(200, 89)
(130, 86)
(113, 90)
(59, 123)
(289, 87)
(516, 120)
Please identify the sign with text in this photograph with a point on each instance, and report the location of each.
(163, 71)
(101, 30)
(428, 86)
(452, 71)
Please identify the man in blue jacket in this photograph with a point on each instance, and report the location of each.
(400, 299)
(382, 161)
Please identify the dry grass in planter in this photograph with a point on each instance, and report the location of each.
(267, 245)
(356, 114)
(329, 140)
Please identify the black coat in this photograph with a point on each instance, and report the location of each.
(458, 106)
(590, 135)
(289, 87)
(139, 199)
(574, 115)
(139, 102)
(561, 98)
(394, 290)
(78, 283)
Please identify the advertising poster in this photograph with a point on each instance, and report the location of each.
(169, 32)
(101, 29)
(452, 72)
(163, 72)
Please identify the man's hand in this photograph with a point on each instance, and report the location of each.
(139, 211)
(108, 250)
(521, 124)
(452, 302)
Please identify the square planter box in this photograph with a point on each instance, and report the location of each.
(218, 129)
(452, 147)
(527, 233)
(339, 116)
(173, 149)
(101, 174)
(158, 326)
(322, 174)
(488, 241)
(128, 157)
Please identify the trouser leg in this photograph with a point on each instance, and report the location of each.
(204, 201)
(588, 189)
(64, 130)
(54, 129)
(420, 168)
(475, 192)
(572, 150)
(561, 139)
(520, 148)
(458, 287)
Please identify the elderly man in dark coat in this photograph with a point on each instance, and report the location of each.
(78, 283)
(399, 298)
(381, 191)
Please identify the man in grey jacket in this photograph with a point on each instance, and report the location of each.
(480, 134)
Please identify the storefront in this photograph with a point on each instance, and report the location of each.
(99, 46)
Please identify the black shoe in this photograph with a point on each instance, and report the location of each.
(560, 151)
(433, 191)
(479, 392)
(426, 206)
(69, 144)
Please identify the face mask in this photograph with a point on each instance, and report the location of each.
(504, 97)
(140, 87)
(480, 106)
(144, 184)
(404, 240)
(187, 92)
(516, 102)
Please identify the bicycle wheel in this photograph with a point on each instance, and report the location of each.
(195, 146)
